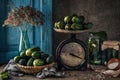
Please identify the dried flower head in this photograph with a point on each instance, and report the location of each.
(21, 15)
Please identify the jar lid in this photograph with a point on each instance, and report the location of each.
(112, 43)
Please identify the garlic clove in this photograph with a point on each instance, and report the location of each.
(52, 69)
(45, 69)
(59, 74)
(40, 75)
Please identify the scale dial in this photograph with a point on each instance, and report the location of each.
(72, 54)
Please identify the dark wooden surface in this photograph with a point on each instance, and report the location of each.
(70, 75)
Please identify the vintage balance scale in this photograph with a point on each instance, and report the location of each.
(71, 54)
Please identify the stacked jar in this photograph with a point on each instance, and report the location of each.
(110, 49)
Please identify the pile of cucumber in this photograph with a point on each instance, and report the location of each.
(33, 57)
(73, 22)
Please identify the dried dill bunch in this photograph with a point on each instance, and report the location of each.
(21, 15)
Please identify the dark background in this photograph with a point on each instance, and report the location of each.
(105, 15)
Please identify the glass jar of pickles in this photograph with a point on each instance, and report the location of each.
(94, 45)
(110, 49)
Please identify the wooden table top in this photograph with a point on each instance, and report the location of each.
(70, 75)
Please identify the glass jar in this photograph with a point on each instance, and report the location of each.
(24, 41)
(110, 49)
(95, 41)
(94, 46)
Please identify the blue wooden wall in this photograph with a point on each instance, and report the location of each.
(39, 35)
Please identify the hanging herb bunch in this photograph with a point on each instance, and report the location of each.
(24, 15)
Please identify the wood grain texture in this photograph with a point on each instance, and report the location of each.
(70, 75)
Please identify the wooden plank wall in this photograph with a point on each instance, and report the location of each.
(39, 35)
